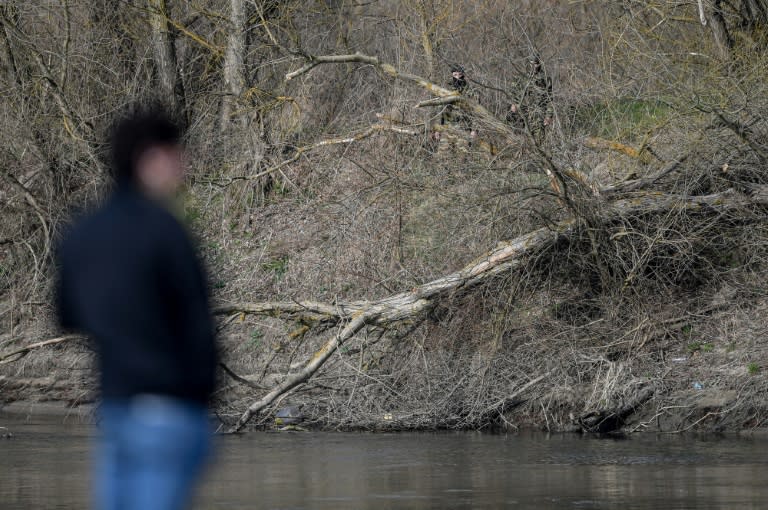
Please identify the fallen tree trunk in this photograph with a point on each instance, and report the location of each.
(506, 257)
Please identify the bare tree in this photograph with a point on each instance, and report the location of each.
(234, 60)
(164, 51)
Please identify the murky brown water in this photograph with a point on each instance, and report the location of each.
(45, 465)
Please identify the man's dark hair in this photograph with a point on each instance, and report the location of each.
(459, 84)
(535, 61)
(137, 131)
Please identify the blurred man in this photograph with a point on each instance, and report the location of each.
(455, 131)
(532, 106)
(130, 279)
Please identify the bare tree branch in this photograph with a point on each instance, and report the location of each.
(442, 92)
(300, 151)
(446, 96)
(702, 14)
(743, 132)
(23, 351)
(637, 184)
(239, 378)
(39, 211)
(320, 357)
(76, 127)
(438, 101)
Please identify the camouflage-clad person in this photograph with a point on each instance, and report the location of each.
(455, 131)
(532, 106)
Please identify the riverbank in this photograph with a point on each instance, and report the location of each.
(695, 393)
(700, 374)
(83, 413)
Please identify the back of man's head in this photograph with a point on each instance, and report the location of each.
(135, 133)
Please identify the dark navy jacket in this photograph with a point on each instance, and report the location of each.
(129, 278)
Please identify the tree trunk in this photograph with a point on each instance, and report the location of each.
(755, 12)
(426, 42)
(171, 86)
(720, 33)
(234, 61)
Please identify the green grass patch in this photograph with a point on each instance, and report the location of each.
(700, 347)
(753, 369)
(277, 266)
(191, 215)
(256, 337)
(623, 119)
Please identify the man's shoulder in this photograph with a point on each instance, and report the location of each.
(156, 223)
(87, 224)
(123, 219)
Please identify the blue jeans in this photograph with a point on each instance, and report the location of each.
(151, 451)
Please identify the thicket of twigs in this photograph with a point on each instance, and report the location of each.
(314, 179)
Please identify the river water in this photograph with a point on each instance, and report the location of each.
(46, 465)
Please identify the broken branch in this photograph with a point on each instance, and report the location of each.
(20, 353)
